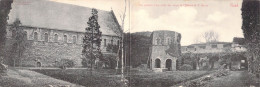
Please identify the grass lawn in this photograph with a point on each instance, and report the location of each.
(236, 79)
(164, 79)
(26, 78)
(107, 77)
(99, 78)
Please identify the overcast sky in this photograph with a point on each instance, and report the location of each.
(189, 17)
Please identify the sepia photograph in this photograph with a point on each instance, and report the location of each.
(129, 43)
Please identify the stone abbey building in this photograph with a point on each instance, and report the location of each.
(56, 30)
(165, 50)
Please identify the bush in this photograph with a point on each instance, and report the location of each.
(67, 63)
(186, 67)
(84, 62)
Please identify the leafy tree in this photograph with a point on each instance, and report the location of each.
(5, 7)
(19, 42)
(251, 30)
(91, 42)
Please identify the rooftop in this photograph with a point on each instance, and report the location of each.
(54, 15)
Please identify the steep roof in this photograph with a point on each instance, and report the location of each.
(54, 15)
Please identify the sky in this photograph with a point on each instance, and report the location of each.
(191, 18)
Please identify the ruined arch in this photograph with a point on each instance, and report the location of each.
(157, 63)
(168, 64)
(38, 64)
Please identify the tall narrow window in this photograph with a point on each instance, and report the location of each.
(158, 41)
(111, 42)
(35, 37)
(13, 33)
(74, 39)
(65, 38)
(169, 41)
(25, 35)
(117, 42)
(56, 38)
(46, 37)
(105, 42)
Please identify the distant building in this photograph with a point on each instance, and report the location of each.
(160, 60)
(56, 30)
(237, 48)
(215, 47)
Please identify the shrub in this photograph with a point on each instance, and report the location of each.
(84, 62)
(196, 84)
(67, 63)
(186, 67)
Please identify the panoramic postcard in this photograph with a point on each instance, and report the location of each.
(129, 43)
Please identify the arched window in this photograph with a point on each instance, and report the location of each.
(56, 38)
(65, 38)
(157, 63)
(46, 37)
(158, 41)
(74, 39)
(105, 42)
(35, 36)
(168, 64)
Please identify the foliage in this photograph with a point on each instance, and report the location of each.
(186, 67)
(137, 48)
(91, 42)
(84, 62)
(5, 7)
(112, 48)
(67, 63)
(250, 27)
(19, 42)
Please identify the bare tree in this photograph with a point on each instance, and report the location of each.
(197, 39)
(210, 36)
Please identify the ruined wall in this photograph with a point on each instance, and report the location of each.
(66, 45)
(161, 41)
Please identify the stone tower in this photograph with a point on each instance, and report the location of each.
(165, 50)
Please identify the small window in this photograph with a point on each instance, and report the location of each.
(56, 38)
(35, 37)
(25, 35)
(195, 49)
(13, 33)
(117, 42)
(214, 46)
(46, 37)
(158, 41)
(169, 41)
(105, 42)
(65, 38)
(74, 39)
(111, 42)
